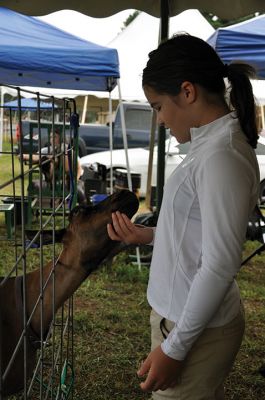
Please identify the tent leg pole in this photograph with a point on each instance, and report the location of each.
(2, 120)
(110, 142)
(125, 142)
(262, 117)
(150, 162)
(129, 177)
(83, 120)
(164, 12)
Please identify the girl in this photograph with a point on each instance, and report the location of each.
(197, 319)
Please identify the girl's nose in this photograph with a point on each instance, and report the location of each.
(159, 120)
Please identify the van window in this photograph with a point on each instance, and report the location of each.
(138, 119)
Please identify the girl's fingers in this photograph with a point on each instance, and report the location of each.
(116, 224)
(122, 229)
(126, 222)
(121, 224)
(112, 234)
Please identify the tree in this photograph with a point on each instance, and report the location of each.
(130, 19)
(217, 22)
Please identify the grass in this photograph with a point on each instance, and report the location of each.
(111, 327)
(9, 160)
(112, 333)
(245, 382)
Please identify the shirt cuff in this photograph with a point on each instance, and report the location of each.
(154, 232)
(171, 352)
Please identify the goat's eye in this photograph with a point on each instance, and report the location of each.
(75, 211)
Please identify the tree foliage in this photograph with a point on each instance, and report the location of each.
(214, 20)
(130, 19)
(217, 22)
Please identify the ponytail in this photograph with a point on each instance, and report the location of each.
(242, 98)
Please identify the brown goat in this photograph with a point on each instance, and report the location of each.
(85, 245)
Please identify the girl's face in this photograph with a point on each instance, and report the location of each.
(172, 111)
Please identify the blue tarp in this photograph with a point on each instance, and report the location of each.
(34, 53)
(28, 104)
(244, 41)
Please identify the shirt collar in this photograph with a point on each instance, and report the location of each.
(215, 127)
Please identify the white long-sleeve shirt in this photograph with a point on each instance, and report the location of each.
(200, 233)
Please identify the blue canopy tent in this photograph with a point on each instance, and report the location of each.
(28, 104)
(34, 53)
(243, 41)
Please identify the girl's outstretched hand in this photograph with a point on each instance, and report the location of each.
(124, 230)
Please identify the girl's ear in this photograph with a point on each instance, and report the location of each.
(189, 91)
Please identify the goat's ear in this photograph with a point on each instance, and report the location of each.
(47, 236)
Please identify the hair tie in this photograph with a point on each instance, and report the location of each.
(225, 70)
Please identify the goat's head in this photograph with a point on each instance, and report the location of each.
(87, 234)
(86, 237)
(88, 227)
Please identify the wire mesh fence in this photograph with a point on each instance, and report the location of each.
(37, 192)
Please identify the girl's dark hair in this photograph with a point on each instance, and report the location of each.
(188, 58)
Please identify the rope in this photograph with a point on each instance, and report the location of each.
(66, 387)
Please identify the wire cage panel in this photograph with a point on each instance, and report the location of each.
(37, 193)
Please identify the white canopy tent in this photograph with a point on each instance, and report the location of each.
(97, 30)
(259, 91)
(139, 38)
